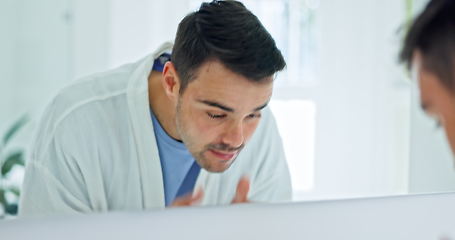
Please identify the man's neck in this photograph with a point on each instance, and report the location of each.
(161, 106)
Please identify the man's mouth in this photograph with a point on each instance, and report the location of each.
(225, 156)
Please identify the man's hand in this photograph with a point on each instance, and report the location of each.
(189, 199)
(241, 195)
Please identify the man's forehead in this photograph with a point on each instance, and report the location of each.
(216, 67)
(416, 65)
(415, 78)
(220, 86)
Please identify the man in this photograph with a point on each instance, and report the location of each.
(147, 134)
(429, 50)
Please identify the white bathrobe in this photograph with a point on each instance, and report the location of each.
(95, 151)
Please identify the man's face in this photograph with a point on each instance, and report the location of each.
(436, 99)
(217, 114)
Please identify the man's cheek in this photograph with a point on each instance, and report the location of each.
(450, 133)
(205, 126)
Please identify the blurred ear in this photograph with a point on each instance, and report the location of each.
(171, 81)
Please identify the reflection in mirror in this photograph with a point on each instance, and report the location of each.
(348, 115)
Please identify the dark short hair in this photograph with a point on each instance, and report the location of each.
(433, 33)
(228, 32)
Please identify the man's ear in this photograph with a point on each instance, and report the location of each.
(170, 81)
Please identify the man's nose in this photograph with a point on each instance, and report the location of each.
(234, 135)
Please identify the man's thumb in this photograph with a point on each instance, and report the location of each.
(243, 187)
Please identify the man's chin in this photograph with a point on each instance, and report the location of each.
(216, 165)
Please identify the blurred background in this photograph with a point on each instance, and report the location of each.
(347, 111)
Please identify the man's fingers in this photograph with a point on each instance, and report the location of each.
(189, 199)
(197, 197)
(182, 201)
(243, 187)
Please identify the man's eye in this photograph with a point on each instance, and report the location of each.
(438, 124)
(216, 116)
(254, 115)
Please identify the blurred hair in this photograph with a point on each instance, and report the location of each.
(433, 34)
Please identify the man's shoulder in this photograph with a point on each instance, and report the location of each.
(87, 97)
(96, 86)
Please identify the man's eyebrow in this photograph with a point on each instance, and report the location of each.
(215, 104)
(228, 109)
(261, 107)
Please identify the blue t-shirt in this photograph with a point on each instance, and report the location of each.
(180, 171)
